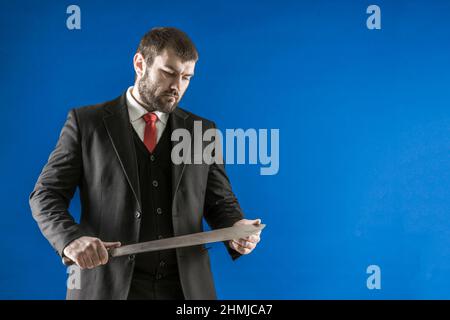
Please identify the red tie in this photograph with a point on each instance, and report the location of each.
(150, 131)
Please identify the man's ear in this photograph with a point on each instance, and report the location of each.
(139, 65)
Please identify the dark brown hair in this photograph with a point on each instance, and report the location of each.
(158, 39)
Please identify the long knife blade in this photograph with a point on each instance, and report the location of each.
(235, 232)
(218, 235)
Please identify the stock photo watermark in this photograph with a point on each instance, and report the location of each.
(74, 278)
(250, 144)
(374, 20)
(374, 280)
(73, 21)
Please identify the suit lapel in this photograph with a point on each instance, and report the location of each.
(117, 123)
(178, 121)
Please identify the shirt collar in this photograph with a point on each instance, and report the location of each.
(136, 110)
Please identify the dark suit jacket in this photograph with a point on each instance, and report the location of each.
(95, 152)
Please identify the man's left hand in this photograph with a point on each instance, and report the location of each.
(247, 244)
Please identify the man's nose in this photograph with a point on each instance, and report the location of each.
(176, 84)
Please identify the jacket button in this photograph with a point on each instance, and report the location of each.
(137, 214)
(162, 263)
(158, 276)
(159, 211)
(160, 237)
(155, 183)
(152, 157)
(131, 257)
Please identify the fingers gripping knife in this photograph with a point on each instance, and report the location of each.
(235, 232)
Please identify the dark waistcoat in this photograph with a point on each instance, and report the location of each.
(155, 272)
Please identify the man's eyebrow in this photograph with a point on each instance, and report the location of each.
(175, 70)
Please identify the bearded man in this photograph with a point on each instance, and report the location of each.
(118, 153)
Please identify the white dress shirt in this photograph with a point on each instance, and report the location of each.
(136, 111)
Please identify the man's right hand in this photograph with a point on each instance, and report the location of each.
(89, 252)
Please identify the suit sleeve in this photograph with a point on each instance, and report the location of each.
(222, 208)
(55, 187)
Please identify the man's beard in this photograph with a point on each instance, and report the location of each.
(152, 101)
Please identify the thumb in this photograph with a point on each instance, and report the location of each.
(110, 245)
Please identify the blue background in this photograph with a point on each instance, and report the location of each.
(364, 134)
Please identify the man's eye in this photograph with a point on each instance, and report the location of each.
(168, 73)
(187, 78)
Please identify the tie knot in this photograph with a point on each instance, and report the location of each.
(150, 117)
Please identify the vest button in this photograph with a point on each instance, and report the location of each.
(159, 211)
(137, 214)
(152, 157)
(158, 276)
(162, 263)
(155, 183)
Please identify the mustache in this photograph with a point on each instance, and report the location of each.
(171, 94)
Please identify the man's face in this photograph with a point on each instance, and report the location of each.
(164, 82)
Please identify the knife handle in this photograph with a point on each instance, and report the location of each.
(68, 262)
